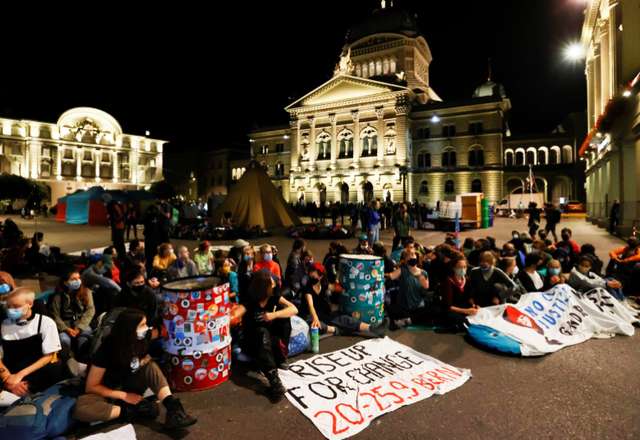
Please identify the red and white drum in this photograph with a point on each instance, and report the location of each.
(197, 338)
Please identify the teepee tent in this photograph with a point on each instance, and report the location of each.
(253, 200)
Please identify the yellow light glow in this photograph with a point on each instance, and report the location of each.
(574, 51)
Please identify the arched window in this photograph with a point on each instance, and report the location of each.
(345, 142)
(424, 188)
(378, 67)
(392, 65)
(531, 156)
(543, 156)
(385, 66)
(476, 157)
(567, 154)
(508, 158)
(365, 70)
(519, 158)
(358, 70)
(372, 68)
(279, 169)
(554, 157)
(449, 187)
(424, 160)
(476, 186)
(323, 142)
(369, 141)
(449, 159)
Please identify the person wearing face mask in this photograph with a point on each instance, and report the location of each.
(266, 263)
(134, 259)
(363, 246)
(7, 284)
(554, 274)
(29, 346)
(227, 274)
(486, 281)
(410, 305)
(583, 279)
(121, 371)
(105, 289)
(456, 302)
(529, 277)
(72, 309)
(267, 329)
(316, 309)
(137, 294)
(183, 266)
(164, 258)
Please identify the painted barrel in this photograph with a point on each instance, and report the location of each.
(362, 280)
(197, 339)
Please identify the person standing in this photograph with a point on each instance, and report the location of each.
(402, 226)
(373, 223)
(552, 215)
(534, 218)
(115, 210)
(614, 216)
(131, 221)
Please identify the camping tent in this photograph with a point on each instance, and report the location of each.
(61, 209)
(253, 200)
(86, 207)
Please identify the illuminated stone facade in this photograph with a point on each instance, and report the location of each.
(85, 147)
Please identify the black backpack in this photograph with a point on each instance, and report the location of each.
(105, 324)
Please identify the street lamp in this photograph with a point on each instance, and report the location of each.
(574, 52)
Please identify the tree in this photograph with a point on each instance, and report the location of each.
(14, 187)
(163, 190)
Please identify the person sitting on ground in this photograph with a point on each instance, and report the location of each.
(407, 244)
(235, 253)
(487, 283)
(121, 371)
(554, 274)
(583, 279)
(481, 245)
(105, 289)
(588, 250)
(538, 247)
(267, 329)
(266, 263)
(363, 247)
(456, 302)
(245, 270)
(331, 261)
(164, 258)
(38, 253)
(134, 259)
(468, 246)
(529, 277)
(316, 309)
(204, 258)
(110, 255)
(380, 251)
(183, 266)
(72, 309)
(137, 294)
(410, 305)
(623, 265)
(30, 346)
(7, 284)
(228, 274)
(295, 271)
(15, 259)
(566, 251)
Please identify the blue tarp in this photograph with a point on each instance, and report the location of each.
(78, 205)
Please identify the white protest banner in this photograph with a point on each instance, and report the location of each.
(341, 392)
(545, 322)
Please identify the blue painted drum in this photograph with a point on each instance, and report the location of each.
(362, 278)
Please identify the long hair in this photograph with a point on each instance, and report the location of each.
(126, 345)
(261, 286)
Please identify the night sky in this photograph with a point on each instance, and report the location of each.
(202, 76)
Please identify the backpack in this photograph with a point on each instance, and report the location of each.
(105, 324)
(42, 415)
(564, 254)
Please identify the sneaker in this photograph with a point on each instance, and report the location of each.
(379, 330)
(283, 365)
(276, 389)
(176, 418)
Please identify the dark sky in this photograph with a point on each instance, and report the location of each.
(202, 76)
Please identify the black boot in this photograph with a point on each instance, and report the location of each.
(276, 389)
(176, 416)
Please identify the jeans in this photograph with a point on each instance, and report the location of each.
(374, 234)
(68, 344)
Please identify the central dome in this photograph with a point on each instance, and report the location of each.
(387, 20)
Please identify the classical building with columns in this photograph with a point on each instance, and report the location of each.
(84, 148)
(377, 129)
(611, 38)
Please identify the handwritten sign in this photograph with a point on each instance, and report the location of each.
(341, 392)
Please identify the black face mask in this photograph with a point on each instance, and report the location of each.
(412, 262)
(313, 281)
(565, 238)
(138, 288)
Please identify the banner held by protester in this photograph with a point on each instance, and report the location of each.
(342, 391)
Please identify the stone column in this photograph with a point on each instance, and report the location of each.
(98, 160)
(590, 110)
(313, 151)
(59, 153)
(79, 157)
(34, 151)
(380, 128)
(116, 169)
(133, 165)
(356, 138)
(158, 175)
(402, 132)
(294, 123)
(334, 140)
(598, 105)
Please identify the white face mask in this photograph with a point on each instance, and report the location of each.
(141, 333)
(516, 270)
